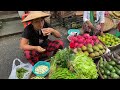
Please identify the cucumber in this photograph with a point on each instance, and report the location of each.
(117, 70)
(109, 67)
(112, 63)
(105, 76)
(118, 66)
(114, 76)
(102, 71)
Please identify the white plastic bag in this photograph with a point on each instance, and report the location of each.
(26, 66)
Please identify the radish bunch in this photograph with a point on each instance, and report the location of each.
(79, 41)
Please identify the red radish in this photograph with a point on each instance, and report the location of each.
(94, 37)
(79, 37)
(75, 39)
(97, 41)
(76, 44)
(72, 41)
(80, 45)
(72, 45)
(80, 40)
(86, 35)
(92, 43)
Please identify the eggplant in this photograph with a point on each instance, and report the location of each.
(116, 60)
(107, 57)
(116, 55)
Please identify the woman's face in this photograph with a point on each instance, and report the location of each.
(38, 23)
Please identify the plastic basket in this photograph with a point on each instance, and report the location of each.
(41, 63)
(74, 30)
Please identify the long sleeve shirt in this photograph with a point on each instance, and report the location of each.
(100, 16)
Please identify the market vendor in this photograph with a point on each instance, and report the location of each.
(93, 22)
(35, 42)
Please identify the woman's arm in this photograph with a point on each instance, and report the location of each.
(25, 46)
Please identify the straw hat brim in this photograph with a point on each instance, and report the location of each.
(109, 24)
(34, 15)
(115, 14)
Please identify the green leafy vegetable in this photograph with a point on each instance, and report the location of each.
(63, 73)
(84, 67)
(20, 72)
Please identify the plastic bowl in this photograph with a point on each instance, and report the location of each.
(41, 63)
(74, 30)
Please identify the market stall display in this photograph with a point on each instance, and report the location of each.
(109, 66)
(90, 45)
(68, 65)
(109, 40)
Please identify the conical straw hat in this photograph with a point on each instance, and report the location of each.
(34, 15)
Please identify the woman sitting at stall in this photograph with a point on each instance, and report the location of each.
(35, 42)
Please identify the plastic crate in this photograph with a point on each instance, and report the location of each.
(41, 63)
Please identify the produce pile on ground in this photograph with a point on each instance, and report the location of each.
(67, 65)
(109, 40)
(90, 45)
(109, 66)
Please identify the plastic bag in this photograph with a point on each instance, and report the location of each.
(26, 66)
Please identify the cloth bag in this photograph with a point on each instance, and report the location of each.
(26, 66)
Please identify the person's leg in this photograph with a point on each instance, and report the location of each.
(54, 46)
(32, 56)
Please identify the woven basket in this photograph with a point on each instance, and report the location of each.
(109, 24)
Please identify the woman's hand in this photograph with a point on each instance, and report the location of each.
(47, 31)
(40, 49)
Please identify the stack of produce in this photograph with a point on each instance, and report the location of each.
(109, 66)
(109, 40)
(79, 41)
(92, 51)
(60, 62)
(90, 45)
(67, 65)
(84, 67)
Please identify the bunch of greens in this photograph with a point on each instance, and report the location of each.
(62, 57)
(20, 72)
(62, 73)
(84, 67)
